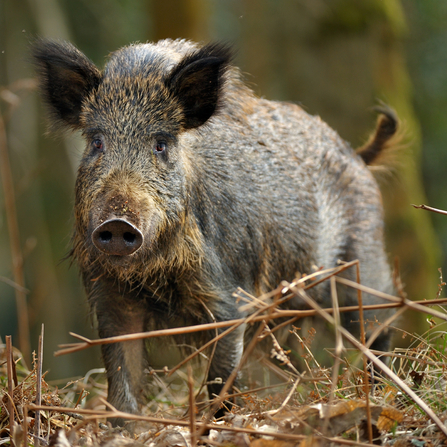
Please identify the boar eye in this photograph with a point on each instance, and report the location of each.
(160, 146)
(98, 145)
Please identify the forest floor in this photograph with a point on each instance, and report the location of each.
(278, 406)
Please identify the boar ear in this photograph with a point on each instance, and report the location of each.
(66, 77)
(197, 83)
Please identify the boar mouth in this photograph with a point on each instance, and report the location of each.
(117, 237)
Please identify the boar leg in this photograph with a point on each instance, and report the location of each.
(124, 362)
(226, 357)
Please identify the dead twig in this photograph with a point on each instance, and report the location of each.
(338, 348)
(310, 279)
(414, 305)
(214, 340)
(25, 426)
(229, 382)
(286, 400)
(38, 388)
(365, 363)
(9, 362)
(429, 208)
(198, 351)
(397, 302)
(387, 371)
(192, 408)
(11, 283)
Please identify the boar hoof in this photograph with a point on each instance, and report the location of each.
(117, 237)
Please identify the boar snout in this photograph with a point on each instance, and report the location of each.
(117, 237)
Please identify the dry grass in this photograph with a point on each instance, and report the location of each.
(406, 404)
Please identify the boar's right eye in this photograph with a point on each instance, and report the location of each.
(160, 146)
(98, 145)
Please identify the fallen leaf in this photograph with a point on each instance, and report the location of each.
(388, 418)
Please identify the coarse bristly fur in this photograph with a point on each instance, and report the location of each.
(226, 189)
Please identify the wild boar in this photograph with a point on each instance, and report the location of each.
(191, 186)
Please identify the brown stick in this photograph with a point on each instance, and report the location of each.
(9, 362)
(221, 397)
(338, 348)
(247, 320)
(415, 305)
(365, 363)
(87, 343)
(25, 426)
(38, 388)
(429, 208)
(326, 274)
(11, 283)
(14, 240)
(387, 371)
(192, 408)
(14, 371)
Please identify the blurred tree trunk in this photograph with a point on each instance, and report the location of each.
(186, 19)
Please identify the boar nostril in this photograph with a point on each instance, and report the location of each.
(105, 236)
(130, 238)
(117, 237)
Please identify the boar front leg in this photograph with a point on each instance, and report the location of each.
(226, 358)
(124, 362)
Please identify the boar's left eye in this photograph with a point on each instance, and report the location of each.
(160, 147)
(98, 145)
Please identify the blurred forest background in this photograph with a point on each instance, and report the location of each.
(336, 58)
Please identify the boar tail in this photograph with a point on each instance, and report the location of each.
(385, 136)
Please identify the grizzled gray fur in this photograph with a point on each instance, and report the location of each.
(191, 186)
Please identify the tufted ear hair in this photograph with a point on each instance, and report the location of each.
(66, 77)
(197, 83)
